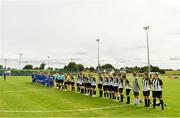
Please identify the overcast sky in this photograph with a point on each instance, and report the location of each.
(67, 30)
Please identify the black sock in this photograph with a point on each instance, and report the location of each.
(122, 97)
(85, 90)
(148, 103)
(145, 101)
(104, 94)
(154, 103)
(162, 104)
(90, 92)
(118, 97)
(128, 99)
(94, 92)
(110, 95)
(107, 95)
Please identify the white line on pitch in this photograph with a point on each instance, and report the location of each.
(70, 110)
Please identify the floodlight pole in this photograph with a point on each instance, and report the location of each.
(98, 54)
(146, 28)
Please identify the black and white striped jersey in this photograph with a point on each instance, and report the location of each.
(157, 84)
(105, 81)
(93, 82)
(146, 84)
(127, 84)
(115, 82)
(120, 83)
(100, 80)
(110, 81)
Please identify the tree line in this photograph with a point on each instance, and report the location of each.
(74, 67)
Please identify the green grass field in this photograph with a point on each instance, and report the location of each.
(20, 97)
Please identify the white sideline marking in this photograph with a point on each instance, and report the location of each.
(21, 91)
(70, 110)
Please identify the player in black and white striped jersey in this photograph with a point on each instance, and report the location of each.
(120, 87)
(157, 85)
(93, 85)
(128, 88)
(110, 86)
(115, 86)
(105, 85)
(100, 82)
(146, 89)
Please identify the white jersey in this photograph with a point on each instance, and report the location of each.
(93, 82)
(120, 83)
(80, 80)
(100, 80)
(105, 81)
(127, 83)
(110, 81)
(157, 84)
(146, 84)
(115, 82)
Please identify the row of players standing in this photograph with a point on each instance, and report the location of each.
(112, 86)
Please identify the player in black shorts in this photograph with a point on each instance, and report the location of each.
(85, 78)
(105, 85)
(89, 79)
(115, 86)
(110, 86)
(157, 85)
(93, 85)
(100, 81)
(72, 83)
(146, 89)
(128, 88)
(78, 83)
(120, 87)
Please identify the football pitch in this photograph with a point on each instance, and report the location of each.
(19, 97)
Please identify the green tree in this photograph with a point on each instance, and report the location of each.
(42, 66)
(92, 69)
(80, 67)
(28, 67)
(107, 66)
(1, 67)
(72, 66)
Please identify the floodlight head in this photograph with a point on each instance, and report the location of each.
(146, 27)
(97, 40)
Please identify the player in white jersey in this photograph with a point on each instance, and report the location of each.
(105, 86)
(78, 82)
(93, 85)
(120, 87)
(136, 89)
(146, 89)
(157, 85)
(89, 79)
(110, 86)
(115, 86)
(82, 83)
(100, 82)
(128, 88)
